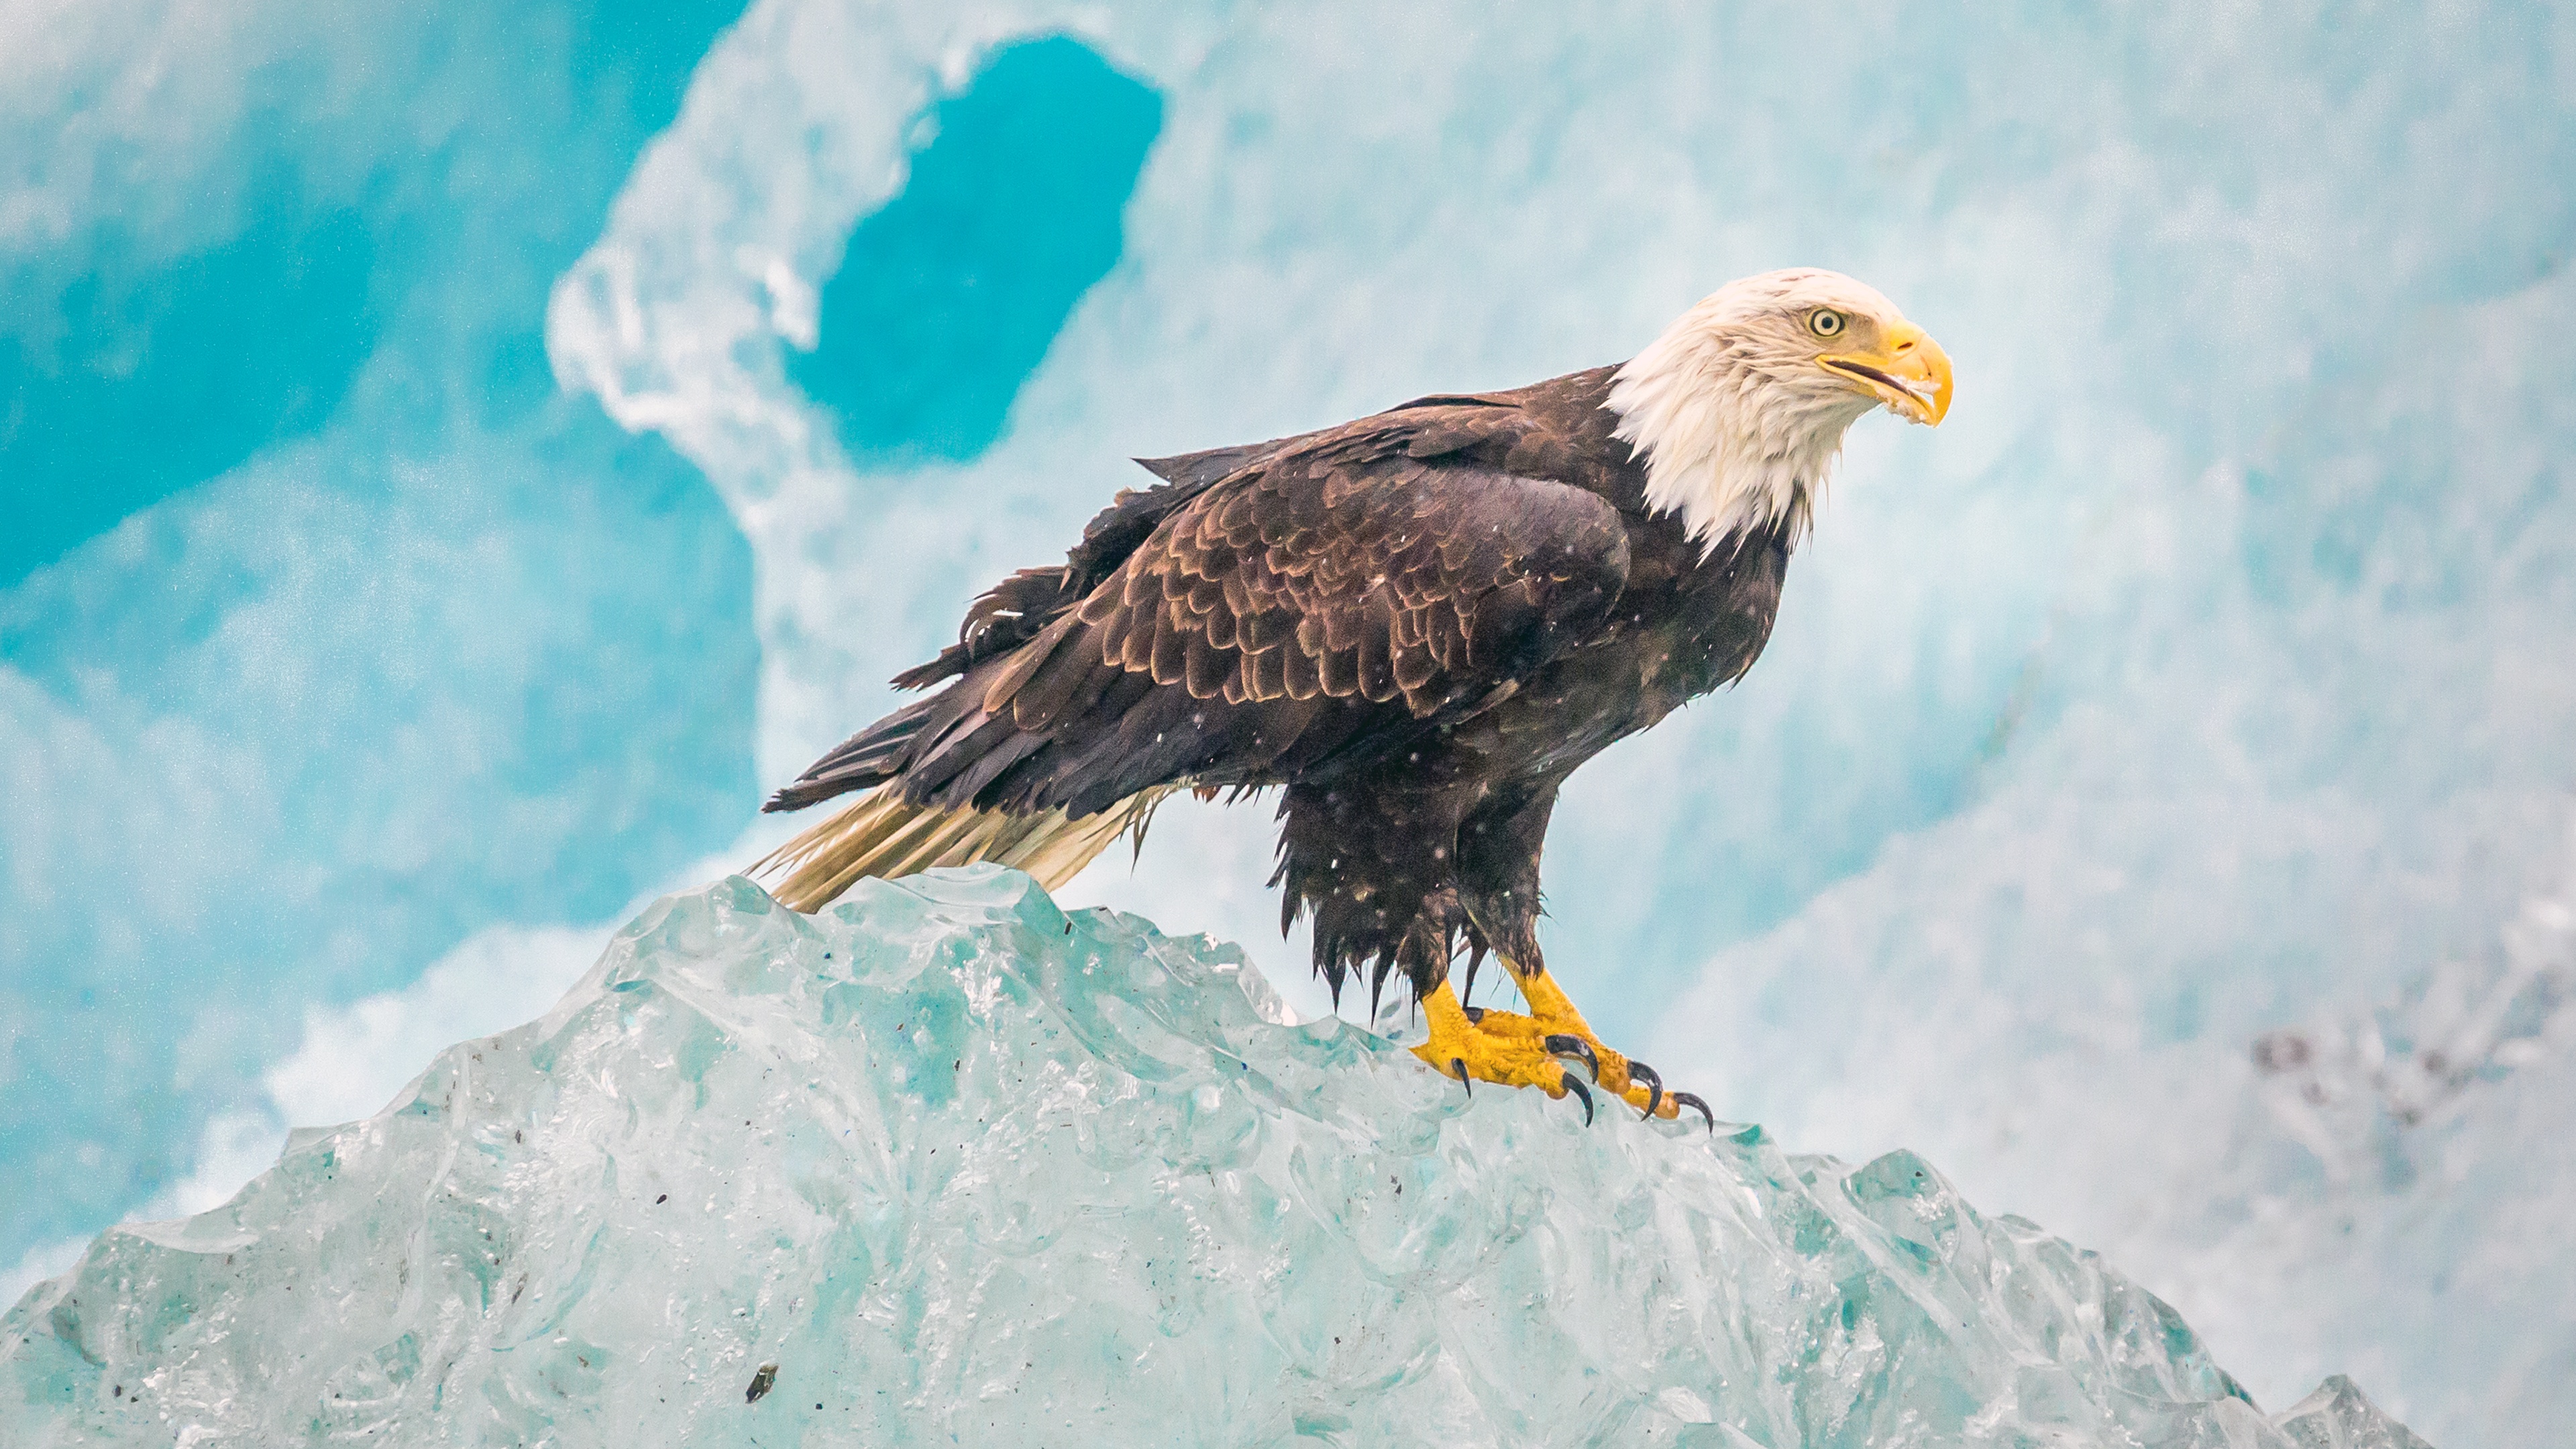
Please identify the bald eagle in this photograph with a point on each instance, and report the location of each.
(1414, 626)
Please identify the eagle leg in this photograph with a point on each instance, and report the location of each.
(1561, 1030)
(1461, 1049)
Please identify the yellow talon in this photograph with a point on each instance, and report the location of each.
(1460, 1048)
(1512, 1050)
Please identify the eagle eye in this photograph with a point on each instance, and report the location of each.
(1826, 322)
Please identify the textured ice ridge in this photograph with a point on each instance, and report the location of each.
(946, 1165)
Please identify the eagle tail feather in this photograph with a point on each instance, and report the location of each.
(884, 835)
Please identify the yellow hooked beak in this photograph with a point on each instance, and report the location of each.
(1909, 373)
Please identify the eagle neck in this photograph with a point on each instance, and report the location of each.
(1729, 446)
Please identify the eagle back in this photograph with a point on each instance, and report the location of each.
(1019, 608)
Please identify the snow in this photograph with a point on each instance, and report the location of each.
(949, 1164)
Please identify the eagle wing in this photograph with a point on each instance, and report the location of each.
(1331, 594)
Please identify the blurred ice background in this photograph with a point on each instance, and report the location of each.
(455, 459)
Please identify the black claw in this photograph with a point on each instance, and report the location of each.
(1575, 1085)
(1475, 1014)
(1654, 1083)
(1691, 1099)
(1562, 1045)
(1464, 1080)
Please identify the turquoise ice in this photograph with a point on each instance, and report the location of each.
(389, 620)
(951, 1165)
(478, 407)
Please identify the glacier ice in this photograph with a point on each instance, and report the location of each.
(949, 1164)
(946, 298)
(401, 628)
(2204, 677)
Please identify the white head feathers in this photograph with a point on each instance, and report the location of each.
(1739, 408)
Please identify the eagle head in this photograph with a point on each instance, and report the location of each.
(1738, 409)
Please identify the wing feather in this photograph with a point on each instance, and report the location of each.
(1266, 609)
